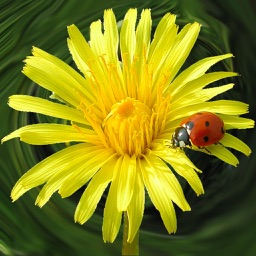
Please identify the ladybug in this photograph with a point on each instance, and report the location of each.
(201, 129)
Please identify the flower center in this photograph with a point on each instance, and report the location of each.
(125, 109)
(129, 127)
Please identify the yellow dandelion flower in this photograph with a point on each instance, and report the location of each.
(120, 111)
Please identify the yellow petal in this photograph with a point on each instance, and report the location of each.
(86, 60)
(168, 179)
(51, 78)
(143, 32)
(94, 160)
(69, 77)
(56, 180)
(183, 166)
(156, 187)
(111, 37)
(194, 71)
(227, 107)
(93, 66)
(231, 141)
(236, 122)
(79, 49)
(45, 169)
(43, 134)
(198, 84)
(204, 94)
(190, 176)
(124, 179)
(143, 36)
(112, 217)
(80, 83)
(220, 152)
(41, 106)
(97, 40)
(127, 37)
(162, 43)
(91, 196)
(135, 209)
(184, 43)
(80, 63)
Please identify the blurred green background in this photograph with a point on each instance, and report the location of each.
(222, 222)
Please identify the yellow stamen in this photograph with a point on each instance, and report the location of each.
(132, 125)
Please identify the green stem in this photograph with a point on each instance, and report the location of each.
(133, 247)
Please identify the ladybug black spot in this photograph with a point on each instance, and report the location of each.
(207, 123)
(206, 138)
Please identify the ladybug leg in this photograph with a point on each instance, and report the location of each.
(167, 144)
(207, 150)
(218, 143)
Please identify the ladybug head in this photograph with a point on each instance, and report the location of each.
(180, 138)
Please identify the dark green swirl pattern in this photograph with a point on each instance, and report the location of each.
(222, 222)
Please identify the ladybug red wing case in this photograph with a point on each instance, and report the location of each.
(201, 129)
(204, 128)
